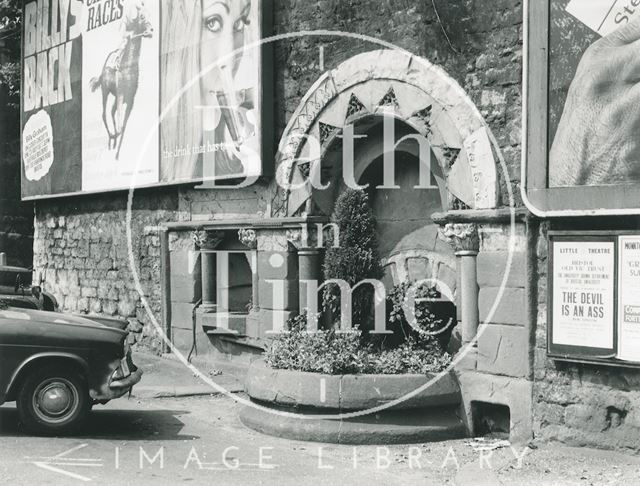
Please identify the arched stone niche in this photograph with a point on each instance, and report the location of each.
(422, 99)
(393, 84)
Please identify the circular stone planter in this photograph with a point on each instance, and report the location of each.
(432, 414)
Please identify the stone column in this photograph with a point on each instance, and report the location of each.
(248, 238)
(466, 243)
(208, 241)
(309, 269)
(309, 263)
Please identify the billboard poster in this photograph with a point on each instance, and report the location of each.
(120, 74)
(51, 97)
(583, 277)
(629, 298)
(210, 67)
(592, 125)
(98, 73)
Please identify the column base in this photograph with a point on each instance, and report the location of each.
(207, 309)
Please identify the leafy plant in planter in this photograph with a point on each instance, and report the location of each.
(324, 351)
(355, 258)
(430, 317)
(334, 352)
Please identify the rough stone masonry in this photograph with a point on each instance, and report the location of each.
(80, 243)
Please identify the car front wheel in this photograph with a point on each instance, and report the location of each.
(53, 400)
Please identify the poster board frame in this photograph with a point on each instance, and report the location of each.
(539, 198)
(577, 354)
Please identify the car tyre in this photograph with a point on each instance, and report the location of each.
(53, 401)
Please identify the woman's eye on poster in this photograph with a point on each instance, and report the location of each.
(211, 132)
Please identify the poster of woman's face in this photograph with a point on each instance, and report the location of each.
(210, 63)
(594, 69)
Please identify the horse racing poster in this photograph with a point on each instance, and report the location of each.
(120, 74)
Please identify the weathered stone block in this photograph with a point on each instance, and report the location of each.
(360, 392)
(500, 237)
(585, 416)
(272, 241)
(223, 322)
(186, 288)
(182, 339)
(278, 294)
(181, 315)
(253, 324)
(515, 393)
(549, 413)
(95, 306)
(468, 358)
(448, 276)
(503, 350)
(277, 265)
(242, 206)
(273, 320)
(492, 266)
(183, 262)
(291, 389)
(127, 307)
(511, 307)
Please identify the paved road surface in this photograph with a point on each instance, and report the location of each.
(199, 440)
(120, 444)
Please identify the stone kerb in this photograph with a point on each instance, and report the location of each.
(343, 393)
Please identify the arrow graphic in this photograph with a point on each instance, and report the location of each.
(62, 460)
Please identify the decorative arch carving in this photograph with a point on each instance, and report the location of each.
(412, 90)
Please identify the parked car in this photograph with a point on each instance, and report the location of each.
(56, 366)
(16, 290)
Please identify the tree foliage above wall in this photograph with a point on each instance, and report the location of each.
(10, 21)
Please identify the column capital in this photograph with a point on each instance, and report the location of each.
(301, 238)
(207, 240)
(463, 237)
(248, 237)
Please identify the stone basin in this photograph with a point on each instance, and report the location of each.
(289, 388)
(317, 399)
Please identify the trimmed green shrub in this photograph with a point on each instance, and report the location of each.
(356, 256)
(333, 352)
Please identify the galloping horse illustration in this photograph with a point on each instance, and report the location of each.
(120, 72)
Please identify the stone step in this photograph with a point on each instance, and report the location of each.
(386, 427)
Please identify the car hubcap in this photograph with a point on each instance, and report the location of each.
(55, 399)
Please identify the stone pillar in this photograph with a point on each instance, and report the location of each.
(277, 266)
(208, 241)
(309, 263)
(249, 239)
(466, 243)
(309, 260)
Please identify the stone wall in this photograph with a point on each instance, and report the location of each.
(82, 251)
(585, 405)
(80, 243)
(479, 46)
